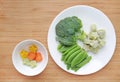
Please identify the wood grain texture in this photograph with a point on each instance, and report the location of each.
(31, 19)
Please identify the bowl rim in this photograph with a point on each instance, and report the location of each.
(21, 42)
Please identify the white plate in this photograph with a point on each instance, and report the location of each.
(18, 63)
(88, 15)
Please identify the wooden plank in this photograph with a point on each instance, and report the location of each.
(26, 19)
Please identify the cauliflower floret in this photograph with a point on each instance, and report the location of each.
(94, 43)
(101, 33)
(93, 35)
(93, 28)
(95, 39)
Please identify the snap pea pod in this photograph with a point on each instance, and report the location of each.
(63, 57)
(63, 49)
(75, 49)
(64, 54)
(73, 56)
(87, 60)
(68, 66)
(75, 68)
(78, 58)
(71, 48)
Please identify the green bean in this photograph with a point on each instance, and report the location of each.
(69, 53)
(73, 56)
(78, 58)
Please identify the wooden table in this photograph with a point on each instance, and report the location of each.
(31, 19)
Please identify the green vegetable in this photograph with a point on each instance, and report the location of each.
(75, 68)
(87, 60)
(82, 36)
(68, 66)
(73, 56)
(72, 51)
(101, 33)
(59, 46)
(78, 58)
(67, 41)
(62, 48)
(63, 57)
(68, 50)
(66, 29)
(77, 23)
(71, 48)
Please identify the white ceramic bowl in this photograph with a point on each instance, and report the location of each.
(17, 60)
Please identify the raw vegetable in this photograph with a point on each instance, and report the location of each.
(66, 30)
(69, 53)
(23, 54)
(73, 56)
(67, 41)
(82, 35)
(84, 62)
(33, 48)
(33, 64)
(94, 40)
(32, 57)
(93, 28)
(87, 60)
(80, 57)
(68, 50)
(27, 62)
(38, 57)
